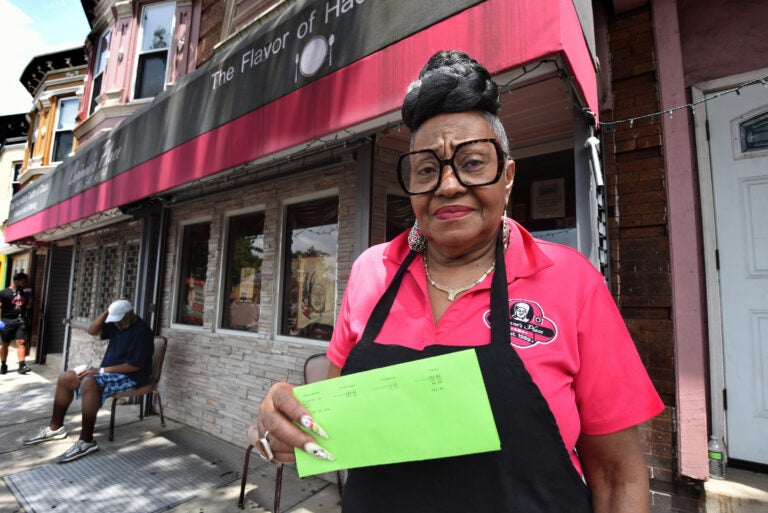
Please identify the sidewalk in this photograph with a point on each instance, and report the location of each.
(311, 495)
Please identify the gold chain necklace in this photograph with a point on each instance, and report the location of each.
(452, 293)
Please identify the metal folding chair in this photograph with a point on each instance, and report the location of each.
(315, 369)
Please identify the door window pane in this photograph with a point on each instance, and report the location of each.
(754, 133)
(193, 269)
(245, 254)
(311, 248)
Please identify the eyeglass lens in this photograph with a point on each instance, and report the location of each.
(475, 163)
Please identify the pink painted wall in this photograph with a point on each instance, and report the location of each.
(722, 37)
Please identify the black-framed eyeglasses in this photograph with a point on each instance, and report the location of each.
(475, 163)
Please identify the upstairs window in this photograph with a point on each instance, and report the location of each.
(63, 138)
(98, 69)
(153, 52)
(33, 139)
(16, 172)
(754, 133)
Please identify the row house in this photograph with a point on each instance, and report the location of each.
(14, 129)
(234, 157)
(55, 83)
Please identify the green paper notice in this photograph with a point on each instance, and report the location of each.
(431, 408)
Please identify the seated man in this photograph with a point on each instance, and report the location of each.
(127, 364)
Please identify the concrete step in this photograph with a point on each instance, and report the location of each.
(741, 492)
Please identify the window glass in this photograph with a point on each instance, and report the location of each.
(98, 69)
(63, 140)
(16, 172)
(309, 294)
(156, 26)
(156, 34)
(193, 269)
(34, 135)
(245, 254)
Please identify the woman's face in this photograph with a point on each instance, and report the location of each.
(458, 219)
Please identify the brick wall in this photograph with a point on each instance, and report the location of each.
(639, 242)
(211, 21)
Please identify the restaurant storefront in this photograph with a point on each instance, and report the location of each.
(231, 208)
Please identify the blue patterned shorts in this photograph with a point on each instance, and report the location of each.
(111, 383)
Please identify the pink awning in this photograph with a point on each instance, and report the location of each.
(501, 34)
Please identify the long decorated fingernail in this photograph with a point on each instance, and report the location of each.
(318, 452)
(309, 423)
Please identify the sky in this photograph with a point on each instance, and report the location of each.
(29, 28)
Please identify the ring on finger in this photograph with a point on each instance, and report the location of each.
(265, 450)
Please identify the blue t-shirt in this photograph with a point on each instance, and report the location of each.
(134, 346)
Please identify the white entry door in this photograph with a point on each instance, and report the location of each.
(738, 127)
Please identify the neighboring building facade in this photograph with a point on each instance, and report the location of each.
(55, 82)
(14, 130)
(248, 160)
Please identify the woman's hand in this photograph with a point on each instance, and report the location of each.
(279, 415)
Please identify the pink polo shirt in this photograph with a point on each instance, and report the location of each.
(564, 325)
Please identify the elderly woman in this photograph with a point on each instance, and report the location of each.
(564, 380)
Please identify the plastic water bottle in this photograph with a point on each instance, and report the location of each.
(716, 458)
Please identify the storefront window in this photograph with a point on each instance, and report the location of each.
(245, 253)
(309, 296)
(193, 268)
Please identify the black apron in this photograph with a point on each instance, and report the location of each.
(532, 473)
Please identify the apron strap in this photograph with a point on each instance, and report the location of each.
(499, 299)
(381, 310)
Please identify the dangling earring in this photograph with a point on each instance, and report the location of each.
(416, 240)
(505, 231)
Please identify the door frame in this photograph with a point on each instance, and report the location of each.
(709, 236)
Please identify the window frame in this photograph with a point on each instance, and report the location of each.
(57, 131)
(102, 59)
(177, 277)
(18, 165)
(140, 52)
(223, 271)
(280, 278)
(33, 137)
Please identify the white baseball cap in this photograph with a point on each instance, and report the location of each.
(118, 309)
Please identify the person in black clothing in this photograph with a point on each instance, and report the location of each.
(16, 308)
(127, 364)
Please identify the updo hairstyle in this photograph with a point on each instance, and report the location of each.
(452, 81)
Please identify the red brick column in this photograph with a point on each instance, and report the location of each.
(639, 241)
